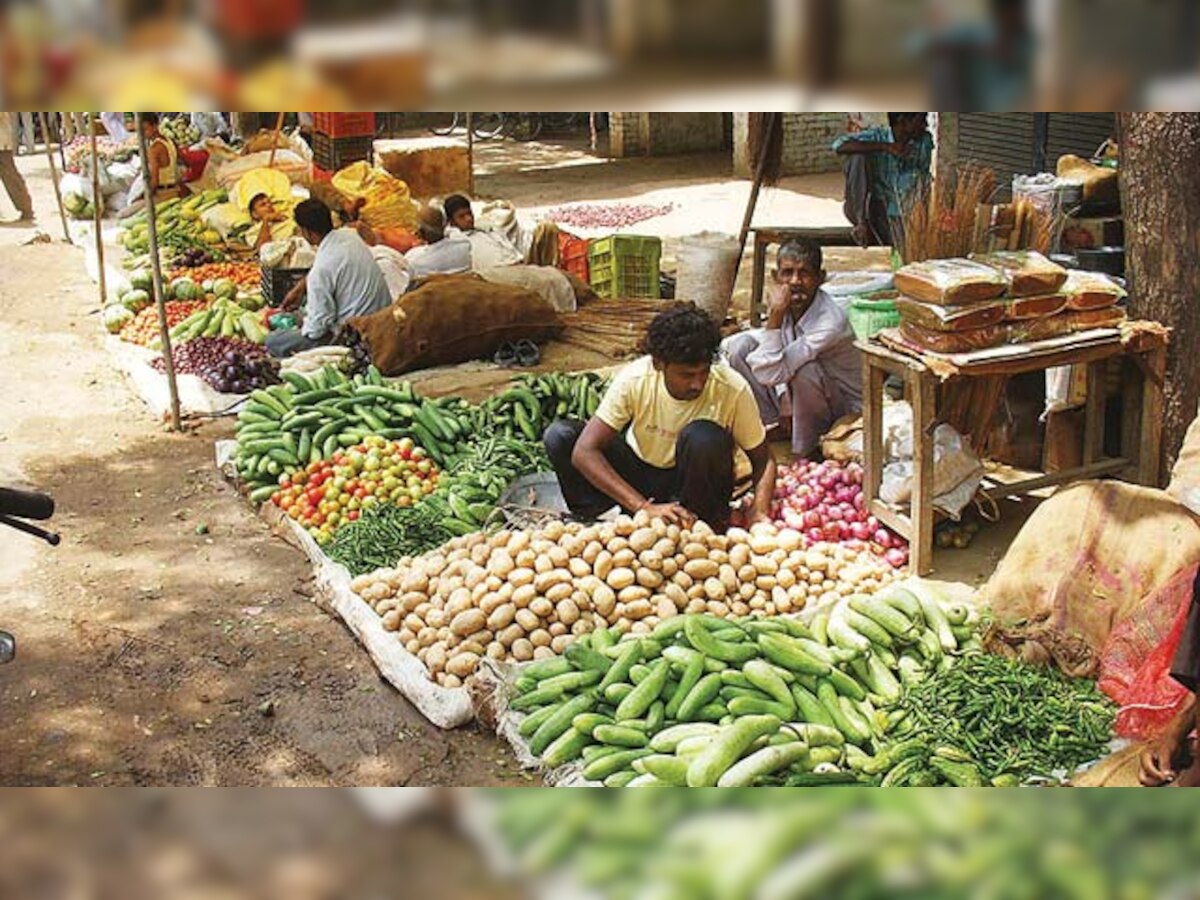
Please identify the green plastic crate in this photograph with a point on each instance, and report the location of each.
(869, 317)
(625, 266)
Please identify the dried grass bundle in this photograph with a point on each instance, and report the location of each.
(943, 224)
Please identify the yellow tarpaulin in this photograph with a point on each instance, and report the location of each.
(388, 201)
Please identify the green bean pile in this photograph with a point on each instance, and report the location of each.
(384, 534)
(1012, 719)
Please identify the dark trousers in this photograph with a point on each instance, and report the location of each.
(1185, 668)
(701, 480)
(289, 341)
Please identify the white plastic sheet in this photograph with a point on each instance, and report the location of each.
(195, 396)
(957, 471)
(444, 707)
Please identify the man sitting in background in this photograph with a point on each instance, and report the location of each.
(439, 255)
(488, 248)
(344, 282)
(803, 367)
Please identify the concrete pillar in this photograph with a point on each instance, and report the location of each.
(945, 155)
(743, 166)
(628, 134)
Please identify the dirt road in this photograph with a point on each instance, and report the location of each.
(168, 639)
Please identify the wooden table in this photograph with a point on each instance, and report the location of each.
(1140, 433)
(766, 235)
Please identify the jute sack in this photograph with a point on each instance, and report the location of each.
(1185, 476)
(451, 319)
(1099, 564)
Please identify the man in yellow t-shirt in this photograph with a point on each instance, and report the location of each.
(668, 434)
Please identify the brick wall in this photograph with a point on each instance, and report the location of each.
(807, 140)
(628, 134)
(665, 134)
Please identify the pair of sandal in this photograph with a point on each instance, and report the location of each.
(523, 353)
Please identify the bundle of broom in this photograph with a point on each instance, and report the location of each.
(941, 224)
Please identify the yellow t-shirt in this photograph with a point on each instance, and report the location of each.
(638, 398)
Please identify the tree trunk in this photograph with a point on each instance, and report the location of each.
(1160, 196)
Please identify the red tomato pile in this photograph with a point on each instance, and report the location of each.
(143, 328)
(331, 492)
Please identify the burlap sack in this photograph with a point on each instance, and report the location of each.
(452, 319)
(1185, 476)
(1100, 562)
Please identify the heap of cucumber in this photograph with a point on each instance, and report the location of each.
(525, 411)
(705, 702)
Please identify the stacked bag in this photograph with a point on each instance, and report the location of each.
(1008, 297)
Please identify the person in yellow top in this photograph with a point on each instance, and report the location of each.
(673, 433)
(163, 158)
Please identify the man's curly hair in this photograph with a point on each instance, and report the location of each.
(683, 334)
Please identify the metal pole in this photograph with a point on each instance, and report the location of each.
(275, 140)
(471, 154)
(91, 120)
(156, 270)
(62, 213)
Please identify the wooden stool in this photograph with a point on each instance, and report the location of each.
(766, 235)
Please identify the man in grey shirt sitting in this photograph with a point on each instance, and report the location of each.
(803, 366)
(344, 282)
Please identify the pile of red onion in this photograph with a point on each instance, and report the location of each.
(228, 365)
(607, 215)
(825, 502)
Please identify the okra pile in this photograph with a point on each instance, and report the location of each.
(703, 701)
(1004, 720)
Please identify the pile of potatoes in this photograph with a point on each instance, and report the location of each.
(526, 595)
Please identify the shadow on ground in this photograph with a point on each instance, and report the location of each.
(171, 641)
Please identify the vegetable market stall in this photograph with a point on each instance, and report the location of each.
(337, 455)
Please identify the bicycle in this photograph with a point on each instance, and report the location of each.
(485, 126)
(15, 507)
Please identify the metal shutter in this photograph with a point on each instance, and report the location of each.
(1077, 133)
(1003, 141)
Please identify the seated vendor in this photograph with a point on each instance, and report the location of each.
(162, 161)
(270, 223)
(488, 248)
(803, 368)
(1173, 757)
(672, 435)
(439, 255)
(344, 282)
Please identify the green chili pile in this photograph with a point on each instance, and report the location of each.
(384, 534)
(1011, 719)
